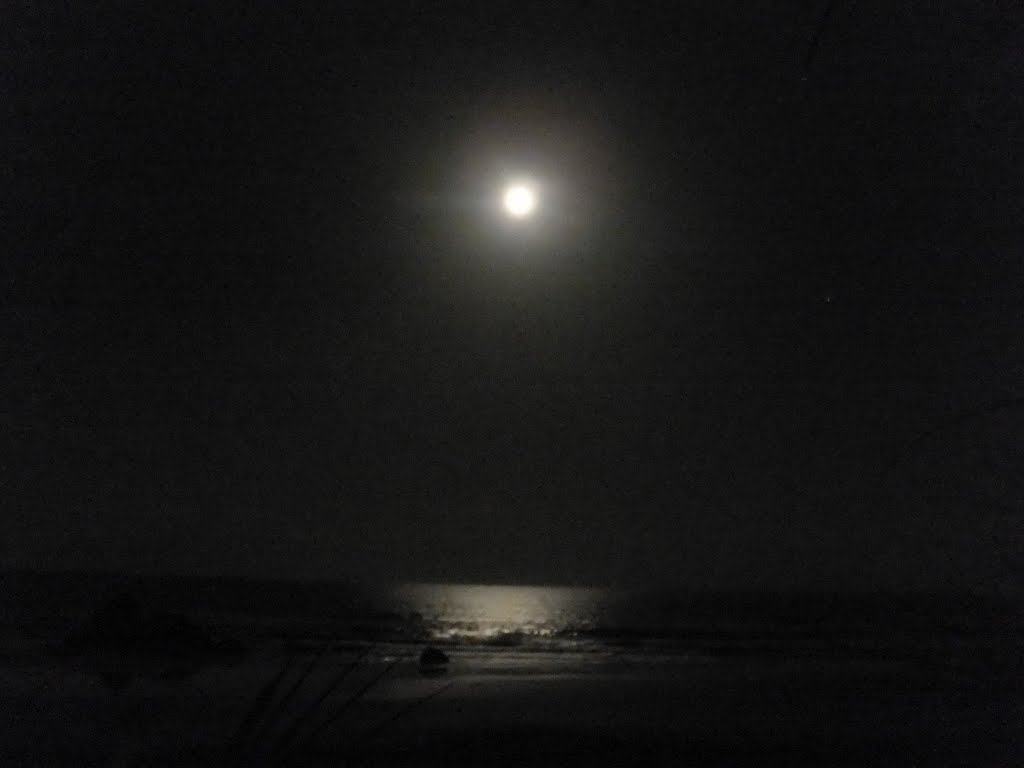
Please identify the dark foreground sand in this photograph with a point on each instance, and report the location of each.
(511, 708)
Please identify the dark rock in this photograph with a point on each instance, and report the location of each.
(433, 658)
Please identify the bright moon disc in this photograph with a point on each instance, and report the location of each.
(519, 201)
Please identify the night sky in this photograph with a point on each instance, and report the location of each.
(767, 329)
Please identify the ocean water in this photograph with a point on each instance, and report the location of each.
(478, 614)
(545, 618)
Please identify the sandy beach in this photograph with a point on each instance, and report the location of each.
(511, 708)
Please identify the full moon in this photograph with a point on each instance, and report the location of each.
(519, 201)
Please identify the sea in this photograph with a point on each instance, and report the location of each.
(947, 628)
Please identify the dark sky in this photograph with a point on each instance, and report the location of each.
(768, 331)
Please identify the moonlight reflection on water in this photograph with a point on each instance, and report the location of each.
(478, 612)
